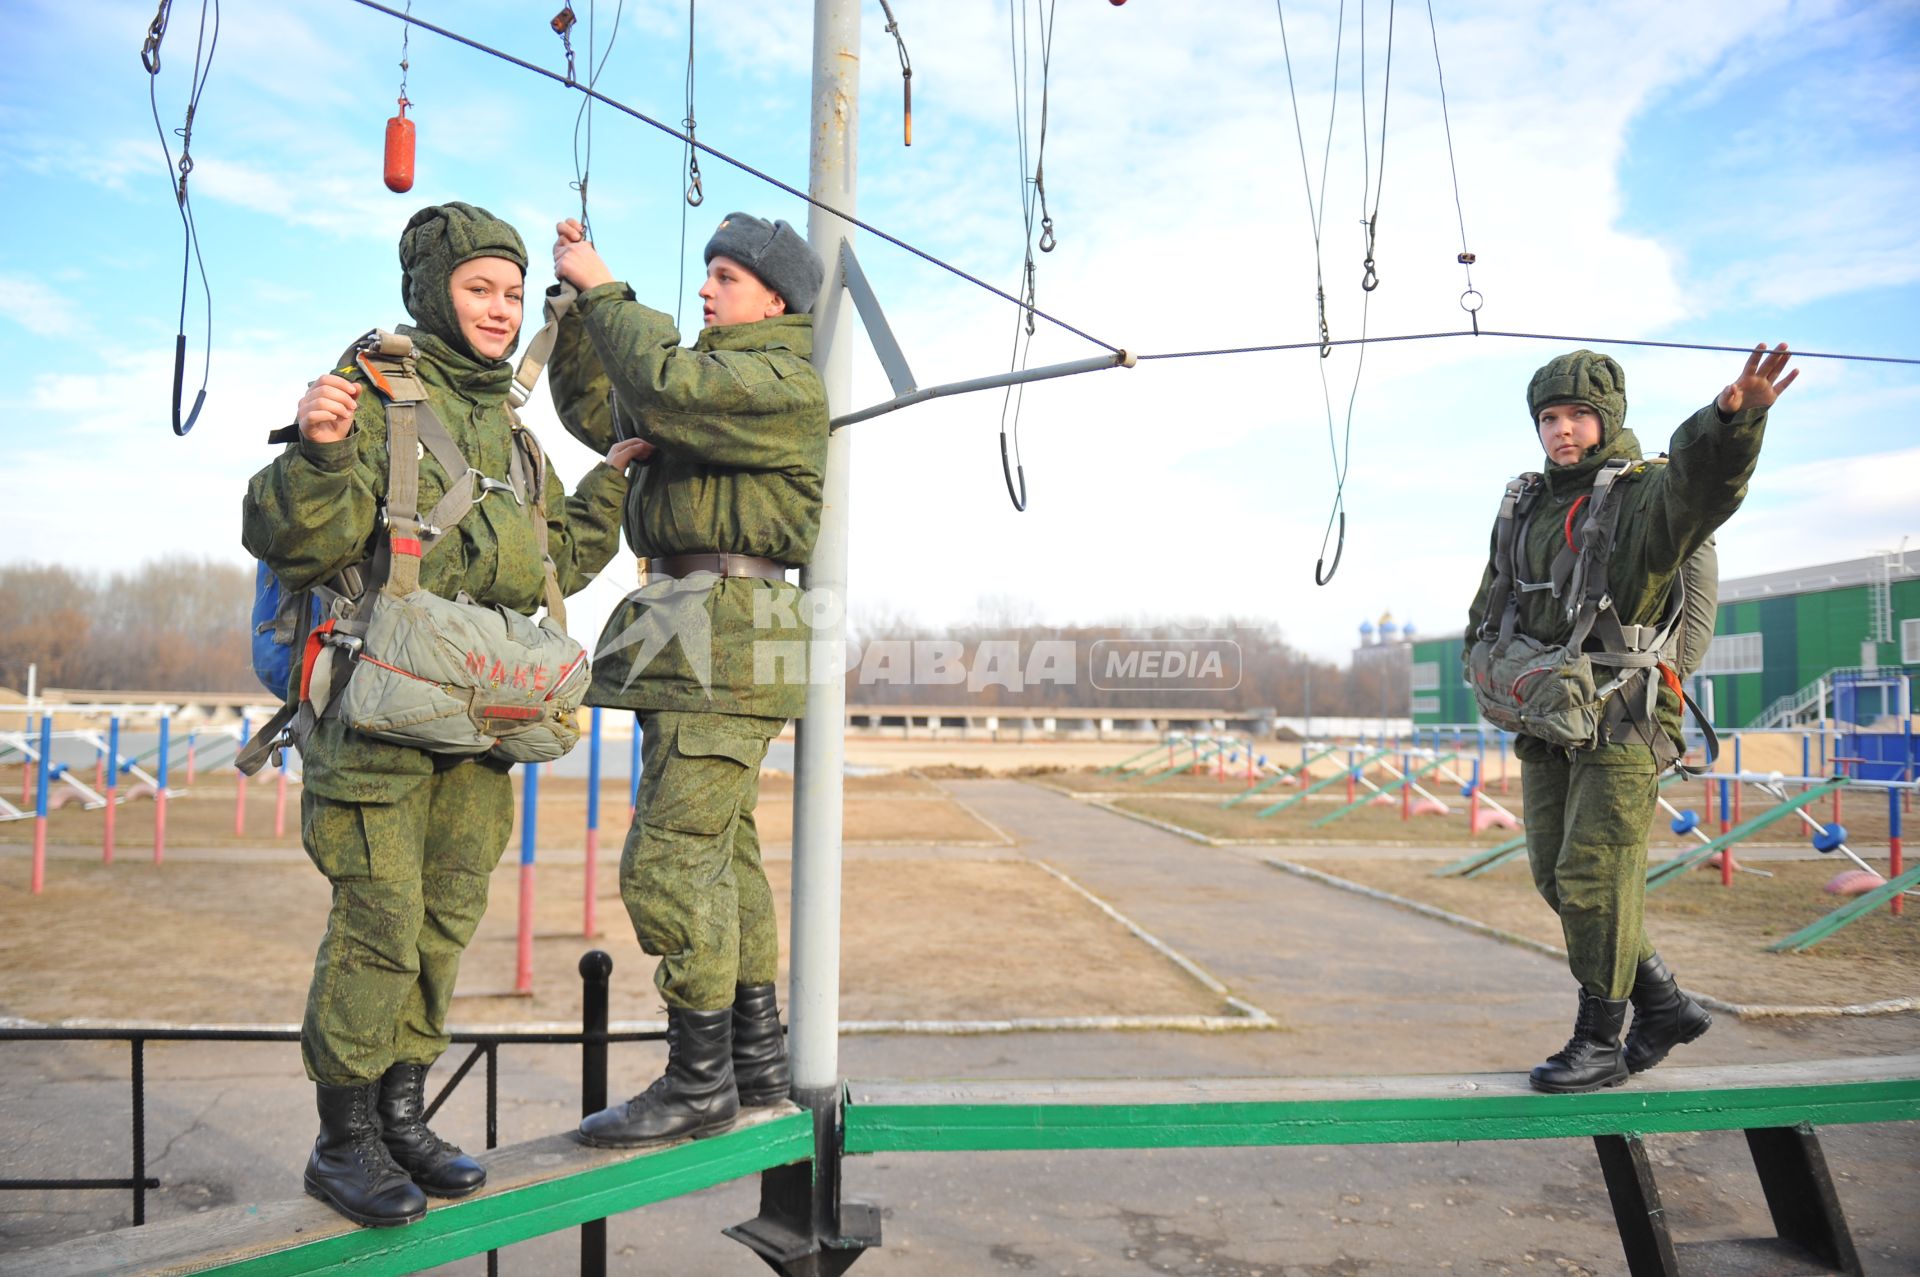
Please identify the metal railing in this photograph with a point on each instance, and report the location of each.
(596, 972)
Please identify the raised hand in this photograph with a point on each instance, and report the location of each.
(575, 259)
(1756, 386)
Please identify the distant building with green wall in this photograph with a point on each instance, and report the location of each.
(1779, 641)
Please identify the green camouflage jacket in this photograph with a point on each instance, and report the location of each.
(1667, 512)
(740, 421)
(312, 512)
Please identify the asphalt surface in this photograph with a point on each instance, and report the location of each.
(1358, 987)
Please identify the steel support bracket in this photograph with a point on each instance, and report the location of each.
(1811, 1235)
(805, 1228)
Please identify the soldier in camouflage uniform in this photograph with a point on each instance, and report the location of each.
(410, 839)
(710, 652)
(1588, 811)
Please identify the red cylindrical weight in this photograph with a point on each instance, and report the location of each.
(399, 167)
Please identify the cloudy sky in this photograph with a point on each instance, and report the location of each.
(1724, 172)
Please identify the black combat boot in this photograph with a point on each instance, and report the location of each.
(1592, 1057)
(350, 1169)
(1663, 1016)
(435, 1165)
(759, 1047)
(694, 1097)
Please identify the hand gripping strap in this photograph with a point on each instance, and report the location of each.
(560, 299)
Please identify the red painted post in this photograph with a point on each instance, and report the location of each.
(1473, 811)
(590, 922)
(529, 828)
(240, 786)
(40, 804)
(112, 787)
(280, 799)
(192, 739)
(1896, 863)
(160, 794)
(1726, 853)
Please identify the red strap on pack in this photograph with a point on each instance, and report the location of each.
(523, 712)
(407, 545)
(311, 656)
(1570, 515)
(1672, 680)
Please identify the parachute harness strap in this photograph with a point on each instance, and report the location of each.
(190, 254)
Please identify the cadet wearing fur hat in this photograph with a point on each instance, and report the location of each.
(727, 501)
(1589, 809)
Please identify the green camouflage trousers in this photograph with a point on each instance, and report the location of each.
(690, 872)
(410, 883)
(1587, 816)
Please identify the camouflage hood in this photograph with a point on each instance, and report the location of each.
(438, 239)
(1581, 376)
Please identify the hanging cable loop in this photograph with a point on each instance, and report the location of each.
(696, 195)
(190, 254)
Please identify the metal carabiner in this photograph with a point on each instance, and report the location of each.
(1047, 241)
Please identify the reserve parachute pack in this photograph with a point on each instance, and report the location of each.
(400, 663)
(1603, 683)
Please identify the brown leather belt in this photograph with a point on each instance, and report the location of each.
(679, 565)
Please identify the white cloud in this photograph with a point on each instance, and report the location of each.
(41, 310)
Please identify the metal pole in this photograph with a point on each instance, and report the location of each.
(820, 746)
(596, 972)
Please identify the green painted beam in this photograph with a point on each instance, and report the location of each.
(1273, 780)
(1483, 859)
(1489, 1107)
(1321, 784)
(456, 1230)
(1392, 787)
(1670, 870)
(533, 1189)
(1848, 913)
(1189, 765)
(1126, 764)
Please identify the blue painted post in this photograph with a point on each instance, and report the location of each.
(588, 927)
(1806, 760)
(1726, 853)
(240, 782)
(633, 773)
(529, 832)
(1737, 769)
(160, 793)
(112, 780)
(280, 798)
(40, 804)
(1895, 863)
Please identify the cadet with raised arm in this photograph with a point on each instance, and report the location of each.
(1573, 642)
(727, 501)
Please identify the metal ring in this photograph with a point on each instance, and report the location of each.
(1478, 301)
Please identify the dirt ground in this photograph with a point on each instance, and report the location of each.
(961, 935)
(894, 807)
